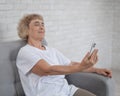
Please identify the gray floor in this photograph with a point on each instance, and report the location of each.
(116, 76)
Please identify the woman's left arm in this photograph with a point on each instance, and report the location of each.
(101, 71)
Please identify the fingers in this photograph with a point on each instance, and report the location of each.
(87, 55)
(89, 61)
(109, 73)
(96, 60)
(105, 72)
(94, 54)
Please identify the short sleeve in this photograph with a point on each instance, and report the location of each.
(26, 60)
(62, 59)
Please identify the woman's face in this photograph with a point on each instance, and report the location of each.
(36, 29)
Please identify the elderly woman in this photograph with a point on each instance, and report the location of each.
(42, 69)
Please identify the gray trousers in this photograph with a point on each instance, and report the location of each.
(83, 92)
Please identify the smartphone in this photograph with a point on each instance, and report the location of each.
(92, 48)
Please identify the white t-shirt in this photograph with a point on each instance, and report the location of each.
(35, 85)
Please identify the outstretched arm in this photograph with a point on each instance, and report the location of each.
(43, 68)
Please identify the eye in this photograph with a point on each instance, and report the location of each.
(39, 24)
(36, 24)
(42, 24)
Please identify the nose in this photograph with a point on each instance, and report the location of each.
(41, 27)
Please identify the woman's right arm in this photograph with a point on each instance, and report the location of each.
(42, 68)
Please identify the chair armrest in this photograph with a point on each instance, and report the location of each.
(97, 84)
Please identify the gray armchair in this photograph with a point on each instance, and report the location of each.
(10, 84)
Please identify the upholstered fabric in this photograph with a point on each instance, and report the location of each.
(9, 79)
(97, 84)
(10, 84)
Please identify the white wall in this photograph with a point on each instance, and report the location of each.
(71, 25)
(116, 37)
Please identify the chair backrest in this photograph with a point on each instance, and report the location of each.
(10, 84)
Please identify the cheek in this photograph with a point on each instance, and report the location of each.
(35, 28)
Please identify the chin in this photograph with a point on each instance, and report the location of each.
(40, 39)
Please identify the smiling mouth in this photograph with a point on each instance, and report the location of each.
(41, 32)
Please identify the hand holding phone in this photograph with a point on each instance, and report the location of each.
(90, 58)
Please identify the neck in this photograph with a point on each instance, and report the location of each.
(35, 43)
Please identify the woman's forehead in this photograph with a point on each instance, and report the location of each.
(36, 21)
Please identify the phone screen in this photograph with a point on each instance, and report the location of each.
(92, 47)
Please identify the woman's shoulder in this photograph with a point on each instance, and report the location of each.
(24, 49)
